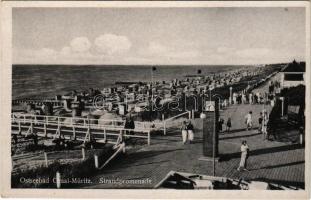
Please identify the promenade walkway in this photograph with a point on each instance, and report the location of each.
(279, 162)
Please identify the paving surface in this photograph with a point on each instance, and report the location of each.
(279, 161)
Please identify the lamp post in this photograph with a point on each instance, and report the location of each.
(214, 138)
(282, 99)
(210, 136)
(230, 98)
(153, 69)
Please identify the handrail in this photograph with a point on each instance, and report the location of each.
(121, 148)
(187, 112)
(52, 120)
(169, 119)
(93, 126)
(62, 120)
(49, 116)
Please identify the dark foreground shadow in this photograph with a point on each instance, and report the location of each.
(281, 182)
(137, 159)
(280, 165)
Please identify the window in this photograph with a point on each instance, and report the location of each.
(293, 77)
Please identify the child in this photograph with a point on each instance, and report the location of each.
(220, 123)
(228, 124)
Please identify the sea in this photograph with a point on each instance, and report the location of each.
(46, 81)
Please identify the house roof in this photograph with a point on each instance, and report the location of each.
(295, 67)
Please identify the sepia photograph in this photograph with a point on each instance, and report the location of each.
(167, 98)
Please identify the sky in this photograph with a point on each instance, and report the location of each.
(168, 36)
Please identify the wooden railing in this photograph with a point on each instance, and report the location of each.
(187, 113)
(55, 127)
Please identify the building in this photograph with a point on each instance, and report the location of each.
(293, 74)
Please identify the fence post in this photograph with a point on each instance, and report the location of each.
(89, 132)
(96, 161)
(46, 159)
(164, 127)
(19, 127)
(282, 99)
(162, 117)
(31, 127)
(83, 153)
(45, 131)
(57, 180)
(192, 114)
(105, 135)
(149, 137)
(74, 132)
(301, 139)
(189, 114)
(121, 135)
(123, 147)
(58, 126)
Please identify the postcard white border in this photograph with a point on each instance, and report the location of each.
(5, 110)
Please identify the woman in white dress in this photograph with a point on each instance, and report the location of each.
(234, 98)
(190, 132)
(184, 132)
(244, 156)
(265, 120)
(249, 120)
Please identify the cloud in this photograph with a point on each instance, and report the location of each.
(80, 44)
(65, 51)
(79, 50)
(110, 44)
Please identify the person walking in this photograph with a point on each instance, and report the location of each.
(272, 102)
(184, 132)
(228, 124)
(265, 120)
(243, 98)
(129, 125)
(250, 98)
(190, 129)
(235, 98)
(244, 156)
(249, 120)
(220, 123)
(260, 122)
